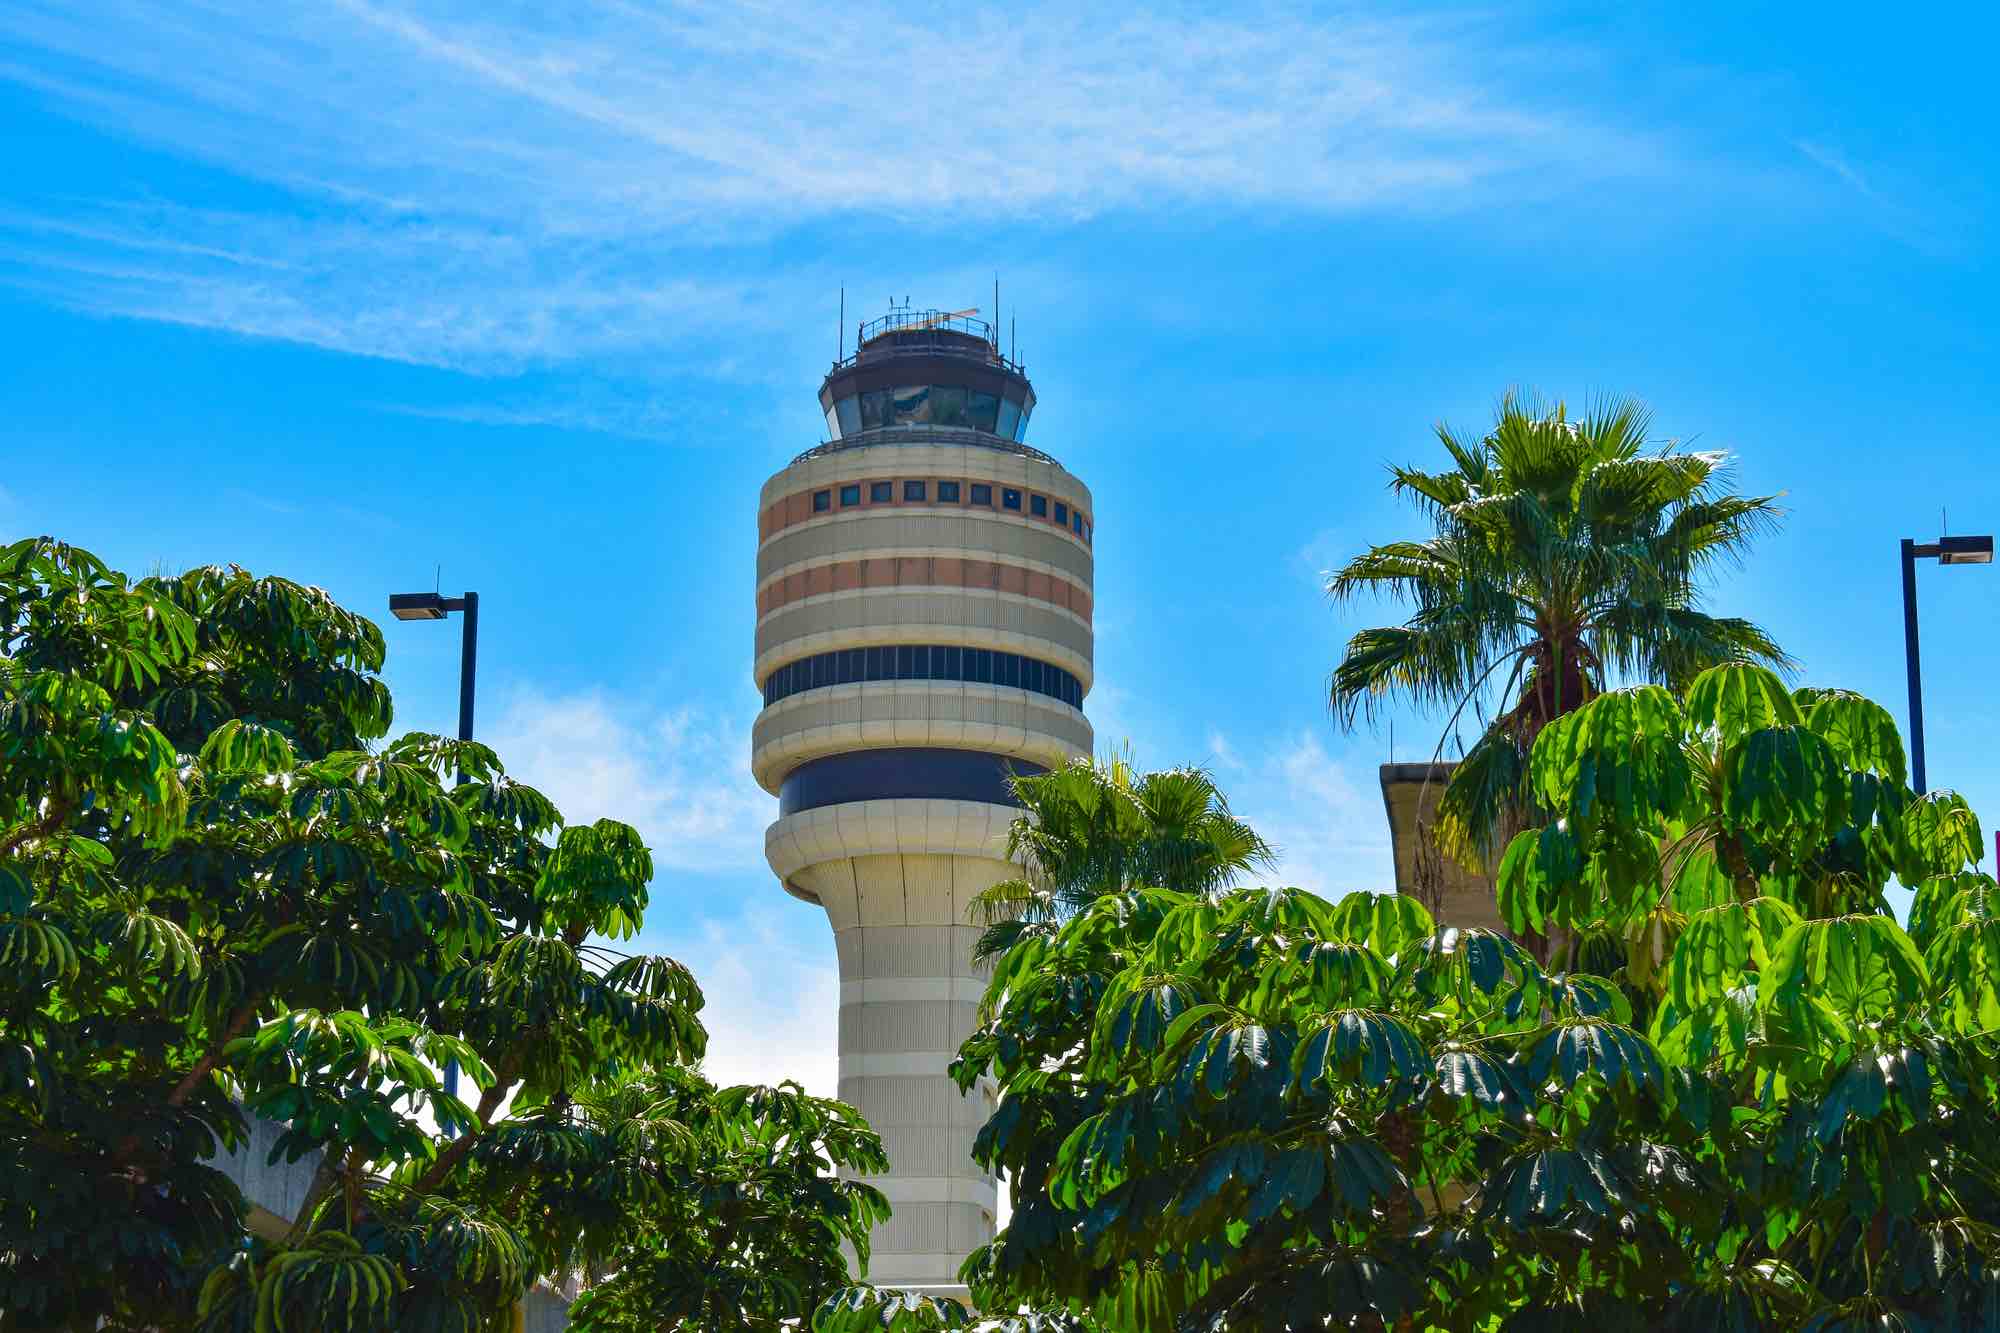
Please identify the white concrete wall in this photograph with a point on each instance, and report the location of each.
(897, 879)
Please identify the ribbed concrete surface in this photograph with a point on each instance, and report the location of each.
(897, 877)
(943, 714)
(961, 532)
(976, 616)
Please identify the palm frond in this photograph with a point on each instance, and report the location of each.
(1562, 545)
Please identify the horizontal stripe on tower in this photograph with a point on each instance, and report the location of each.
(797, 507)
(901, 774)
(978, 666)
(923, 571)
(979, 536)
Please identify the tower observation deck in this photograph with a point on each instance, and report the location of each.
(923, 633)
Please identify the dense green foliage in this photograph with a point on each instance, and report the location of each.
(1568, 556)
(1098, 825)
(1744, 1099)
(216, 901)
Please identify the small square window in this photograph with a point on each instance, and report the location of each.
(1038, 505)
(881, 492)
(1010, 498)
(982, 494)
(850, 495)
(913, 490)
(1062, 514)
(948, 492)
(822, 501)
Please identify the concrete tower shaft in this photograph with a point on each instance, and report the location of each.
(923, 631)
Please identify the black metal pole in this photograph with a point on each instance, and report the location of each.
(1915, 667)
(468, 669)
(468, 677)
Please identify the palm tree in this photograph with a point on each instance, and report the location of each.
(1569, 555)
(1096, 827)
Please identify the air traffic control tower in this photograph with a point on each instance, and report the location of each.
(923, 632)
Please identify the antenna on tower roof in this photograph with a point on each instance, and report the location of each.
(840, 331)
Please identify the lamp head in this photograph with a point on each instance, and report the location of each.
(1965, 550)
(419, 605)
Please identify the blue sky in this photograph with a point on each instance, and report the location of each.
(353, 291)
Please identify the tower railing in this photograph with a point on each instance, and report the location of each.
(928, 332)
(958, 435)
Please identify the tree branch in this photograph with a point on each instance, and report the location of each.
(213, 1055)
(505, 1076)
(57, 814)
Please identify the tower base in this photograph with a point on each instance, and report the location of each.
(897, 879)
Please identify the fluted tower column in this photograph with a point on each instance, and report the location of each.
(923, 632)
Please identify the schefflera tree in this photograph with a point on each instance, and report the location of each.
(1746, 1098)
(219, 899)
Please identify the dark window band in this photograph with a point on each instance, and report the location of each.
(902, 774)
(978, 666)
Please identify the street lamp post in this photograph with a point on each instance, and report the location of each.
(436, 606)
(1946, 551)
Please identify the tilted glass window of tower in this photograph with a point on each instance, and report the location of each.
(951, 406)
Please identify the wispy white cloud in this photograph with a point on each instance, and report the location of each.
(1885, 196)
(487, 188)
(681, 777)
(1833, 161)
(633, 412)
(1323, 812)
(770, 982)
(772, 1005)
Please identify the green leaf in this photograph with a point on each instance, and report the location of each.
(1465, 1073)
(17, 891)
(1388, 923)
(1940, 837)
(1732, 700)
(1860, 731)
(1720, 947)
(240, 747)
(1785, 784)
(1860, 1092)
(1618, 759)
(1370, 1048)
(1863, 968)
(1538, 877)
